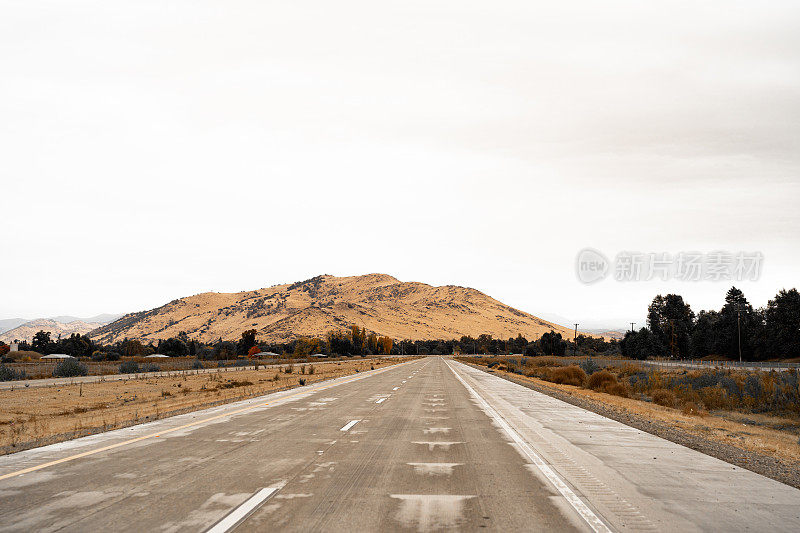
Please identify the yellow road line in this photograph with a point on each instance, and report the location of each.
(195, 423)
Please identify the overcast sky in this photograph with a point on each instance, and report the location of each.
(153, 150)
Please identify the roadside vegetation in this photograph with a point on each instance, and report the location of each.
(692, 391)
(37, 416)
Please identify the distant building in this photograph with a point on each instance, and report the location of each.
(57, 356)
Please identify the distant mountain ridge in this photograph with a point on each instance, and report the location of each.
(22, 329)
(378, 302)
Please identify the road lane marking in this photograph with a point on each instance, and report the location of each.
(350, 424)
(243, 511)
(587, 514)
(381, 400)
(432, 445)
(434, 469)
(195, 423)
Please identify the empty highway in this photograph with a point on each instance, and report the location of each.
(424, 446)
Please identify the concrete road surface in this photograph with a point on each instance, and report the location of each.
(424, 446)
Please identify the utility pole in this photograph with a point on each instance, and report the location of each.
(575, 340)
(632, 323)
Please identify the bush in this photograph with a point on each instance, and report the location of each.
(197, 365)
(301, 381)
(9, 374)
(601, 380)
(567, 375)
(129, 367)
(664, 397)
(70, 368)
(714, 397)
(691, 409)
(151, 367)
(310, 369)
(589, 366)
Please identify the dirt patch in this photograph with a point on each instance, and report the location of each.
(755, 444)
(33, 417)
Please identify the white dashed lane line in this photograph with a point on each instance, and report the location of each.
(350, 424)
(243, 511)
(381, 400)
(395, 388)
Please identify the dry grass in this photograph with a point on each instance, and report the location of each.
(52, 414)
(568, 375)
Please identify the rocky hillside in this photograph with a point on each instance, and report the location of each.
(378, 302)
(26, 331)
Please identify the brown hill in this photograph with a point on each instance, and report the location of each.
(378, 302)
(26, 331)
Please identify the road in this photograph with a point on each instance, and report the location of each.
(428, 445)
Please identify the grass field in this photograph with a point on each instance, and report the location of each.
(36, 416)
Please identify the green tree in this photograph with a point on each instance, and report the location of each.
(782, 324)
(671, 320)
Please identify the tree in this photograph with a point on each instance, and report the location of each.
(247, 341)
(671, 320)
(385, 344)
(552, 344)
(253, 351)
(173, 347)
(782, 324)
(40, 341)
(358, 336)
(641, 344)
(4, 348)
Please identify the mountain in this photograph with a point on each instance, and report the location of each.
(27, 330)
(11, 323)
(104, 318)
(378, 302)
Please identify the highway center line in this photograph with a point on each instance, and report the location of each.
(195, 423)
(243, 511)
(592, 519)
(350, 424)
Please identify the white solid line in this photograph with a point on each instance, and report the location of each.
(592, 519)
(350, 424)
(395, 388)
(381, 400)
(241, 512)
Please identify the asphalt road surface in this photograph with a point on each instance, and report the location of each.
(428, 445)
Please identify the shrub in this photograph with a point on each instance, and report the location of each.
(129, 367)
(589, 366)
(69, 368)
(664, 397)
(301, 381)
(303, 369)
(567, 375)
(9, 374)
(714, 397)
(601, 380)
(691, 409)
(289, 369)
(310, 369)
(151, 367)
(197, 365)
(618, 389)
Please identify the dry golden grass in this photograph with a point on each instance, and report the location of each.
(52, 414)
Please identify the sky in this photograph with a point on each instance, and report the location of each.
(153, 150)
